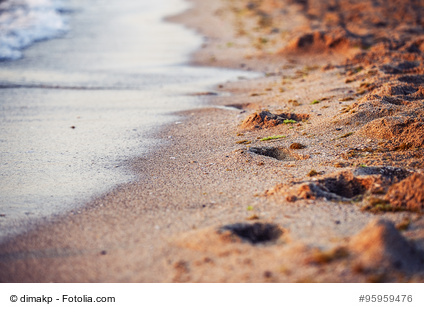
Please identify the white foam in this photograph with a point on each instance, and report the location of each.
(23, 22)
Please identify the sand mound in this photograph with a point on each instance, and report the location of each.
(409, 193)
(380, 245)
(320, 42)
(361, 23)
(393, 107)
(266, 119)
(400, 57)
(363, 14)
(344, 185)
(400, 129)
(393, 110)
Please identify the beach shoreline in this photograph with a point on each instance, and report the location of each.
(90, 105)
(236, 196)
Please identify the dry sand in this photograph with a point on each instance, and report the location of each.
(334, 195)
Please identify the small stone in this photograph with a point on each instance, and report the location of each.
(296, 145)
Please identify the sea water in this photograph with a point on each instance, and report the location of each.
(75, 109)
(23, 22)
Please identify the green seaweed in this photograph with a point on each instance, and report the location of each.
(358, 69)
(273, 137)
(377, 205)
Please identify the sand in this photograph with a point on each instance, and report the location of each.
(306, 174)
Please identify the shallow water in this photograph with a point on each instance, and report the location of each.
(23, 22)
(73, 110)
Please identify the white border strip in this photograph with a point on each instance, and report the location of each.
(215, 298)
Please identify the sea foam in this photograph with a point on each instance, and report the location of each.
(23, 22)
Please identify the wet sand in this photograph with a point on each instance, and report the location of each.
(312, 173)
(74, 109)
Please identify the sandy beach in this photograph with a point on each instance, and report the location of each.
(312, 172)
